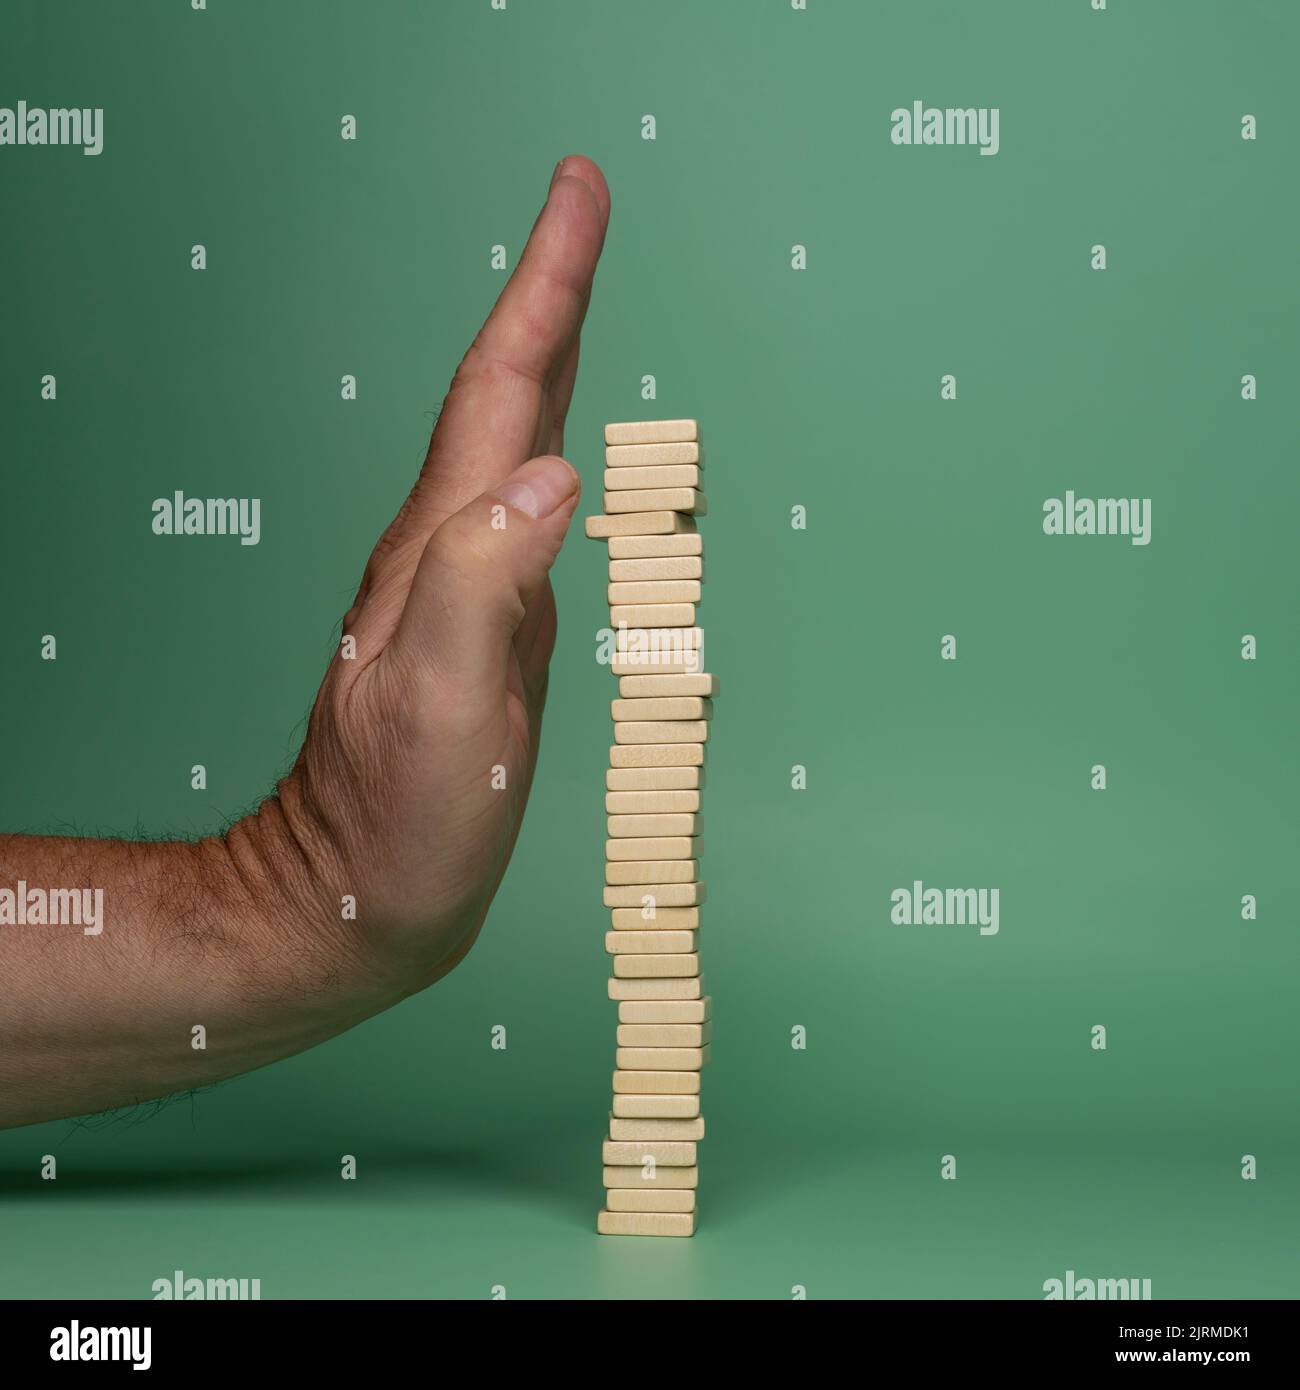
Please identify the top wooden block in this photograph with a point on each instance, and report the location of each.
(653, 432)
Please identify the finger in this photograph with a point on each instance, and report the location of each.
(499, 405)
(560, 398)
(478, 574)
(533, 643)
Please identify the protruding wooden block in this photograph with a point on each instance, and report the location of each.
(625, 805)
(631, 1177)
(652, 455)
(649, 479)
(655, 547)
(654, 779)
(645, 1223)
(663, 894)
(632, 827)
(657, 754)
(665, 1010)
(656, 1083)
(656, 1107)
(651, 943)
(646, 501)
(669, 663)
(641, 967)
(684, 988)
(646, 1130)
(655, 686)
(654, 591)
(667, 568)
(662, 1034)
(652, 431)
(652, 615)
(660, 731)
(649, 1199)
(666, 1153)
(641, 872)
(632, 523)
(661, 1058)
(660, 919)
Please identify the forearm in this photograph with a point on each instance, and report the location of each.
(207, 960)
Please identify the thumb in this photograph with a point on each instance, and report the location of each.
(479, 570)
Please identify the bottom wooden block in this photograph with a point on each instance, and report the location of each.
(649, 1199)
(646, 1223)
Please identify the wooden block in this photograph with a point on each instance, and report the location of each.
(647, 849)
(631, 1177)
(662, 1034)
(657, 754)
(653, 1130)
(665, 1010)
(673, 641)
(666, 1153)
(643, 872)
(637, 663)
(619, 805)
(660, 919)
(656, 1083)
(652, 455)
(654, 591)
(669, 663)
(651, 943)
(655, 547)
(686, 987)
(660, 731)
(650, 479)
(645, 1223)
(653, 686)
(652, 431)
(630, 523)
(662, 894)
(664, 707)
(646, 501)
(654, 779)
(642, 967)
(651, 1107)
(632, 827)
(649, 1199)
(670, 567)
(661, 1058)
(652, 615)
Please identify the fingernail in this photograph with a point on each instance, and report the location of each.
(540, 487)
(555, 177)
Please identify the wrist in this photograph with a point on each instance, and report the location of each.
(291, 886)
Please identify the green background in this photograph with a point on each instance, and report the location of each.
(821, 388)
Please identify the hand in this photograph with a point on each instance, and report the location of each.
(411, 785)
(408, 793)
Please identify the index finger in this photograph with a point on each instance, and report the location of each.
(501, 406)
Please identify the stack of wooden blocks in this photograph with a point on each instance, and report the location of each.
(652, 799)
